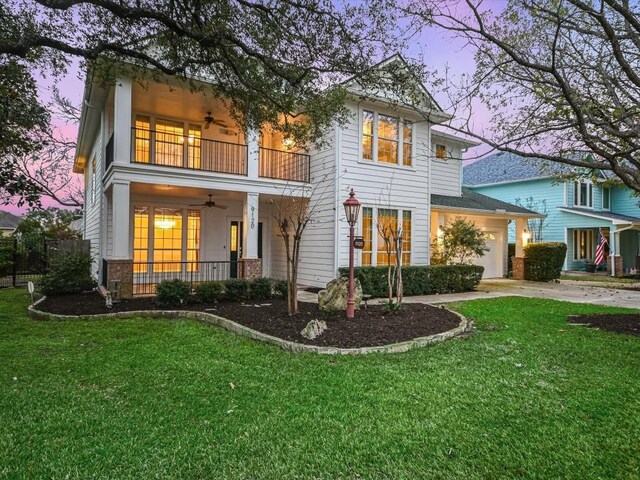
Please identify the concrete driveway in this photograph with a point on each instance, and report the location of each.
(566, 290)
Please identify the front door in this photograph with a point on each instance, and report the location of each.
(235, 250)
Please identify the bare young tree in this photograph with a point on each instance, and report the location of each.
(536, 225)
(558, 77)
(390, 231)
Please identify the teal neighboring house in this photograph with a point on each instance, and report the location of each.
(578, 211)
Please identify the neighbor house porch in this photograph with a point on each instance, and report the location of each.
(159, 232)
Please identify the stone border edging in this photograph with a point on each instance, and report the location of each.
(211, 319)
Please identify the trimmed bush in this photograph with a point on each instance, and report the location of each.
(173, 293)
(68, 274)
(209, 292)
(6, 257)
(420, 280)
(280, 288)
(544, 261)
(261, 288)
(236, 289)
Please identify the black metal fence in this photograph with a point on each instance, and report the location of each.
(146, 275)
(284, 165)
(27, 258)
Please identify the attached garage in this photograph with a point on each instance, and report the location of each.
(490, 215)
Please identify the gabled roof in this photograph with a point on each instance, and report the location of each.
(471, 200)
(9, 220)
(505, 167)
(615, 218)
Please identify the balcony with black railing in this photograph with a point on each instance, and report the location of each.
(170, 149)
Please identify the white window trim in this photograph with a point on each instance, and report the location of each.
(577, 194)
(374, 233)
(374, 147)
(606, 191)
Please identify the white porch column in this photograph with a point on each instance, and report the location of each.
(120, 220)
(250, 221)
(521, 225)
(122, 121)
(253, 152)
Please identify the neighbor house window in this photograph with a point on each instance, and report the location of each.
(441, 152)
(167, 240)
(583, 244)
(606, 198)
(583, 194)
(367, 235)
(386, 139)
(140, 239)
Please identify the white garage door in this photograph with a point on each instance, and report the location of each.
(492, 261)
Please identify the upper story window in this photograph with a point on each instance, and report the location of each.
(168, 142)
(606, 198)
(583, 194)
(441, 152)
(386, 139)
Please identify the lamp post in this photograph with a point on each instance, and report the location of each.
(351, 210)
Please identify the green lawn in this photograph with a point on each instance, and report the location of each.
(526, 396)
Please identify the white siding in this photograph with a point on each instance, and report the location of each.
(93, 206)
(446, 175)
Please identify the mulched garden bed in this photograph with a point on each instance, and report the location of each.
(371, 326)
(615, 322)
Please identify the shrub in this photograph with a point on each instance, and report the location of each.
(209, 292)
(173, 293)
(420, 280)
(280, 288)
(6, 258)
(68, 274)
(544, 261)
(261, 288)
(236, 289)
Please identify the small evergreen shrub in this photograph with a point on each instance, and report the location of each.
(173, 293)
(6, 258)
(420, 280)
(209, 292)
(237, 289)
(544, 261)
(280, 288)
(68, 274)
(261, 288)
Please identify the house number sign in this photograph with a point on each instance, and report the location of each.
(358, 243)
(253, 217)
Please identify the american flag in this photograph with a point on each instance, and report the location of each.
(602, 242)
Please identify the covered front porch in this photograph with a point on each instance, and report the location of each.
(196, 235)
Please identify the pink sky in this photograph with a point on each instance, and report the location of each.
(435, 48)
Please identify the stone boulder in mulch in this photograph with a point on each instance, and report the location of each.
(334, 297)
(314, 329)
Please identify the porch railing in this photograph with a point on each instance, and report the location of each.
(284, 165)
(108, 153)
(188, 151)
(146, 275)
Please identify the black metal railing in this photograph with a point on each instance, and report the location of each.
(188, 151)
(108, 153)
(284, 165)
(146, 275)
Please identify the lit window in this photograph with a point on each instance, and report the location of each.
(407, 143)
(194, 146)
(140, 239)
(441, 152)
(193, 240)
(387, 139)
(367, 235)
(169, 143)
(167, 240)
(387, 223)
(142, 139)
(583, 244)
(367, 135)
(406, 237)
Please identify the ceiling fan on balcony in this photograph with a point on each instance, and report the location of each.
(208, 120)
(209, 203)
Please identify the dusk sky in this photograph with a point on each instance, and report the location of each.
(438, 50)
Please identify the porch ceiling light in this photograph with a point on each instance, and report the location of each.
(165, 224)
(352, 208)
(288, 143)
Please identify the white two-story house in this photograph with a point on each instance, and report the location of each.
(174, 189)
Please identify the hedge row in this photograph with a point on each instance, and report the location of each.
(544, 261)
(420, 280)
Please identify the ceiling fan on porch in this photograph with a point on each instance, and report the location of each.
(209, 203)
(208, 120)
